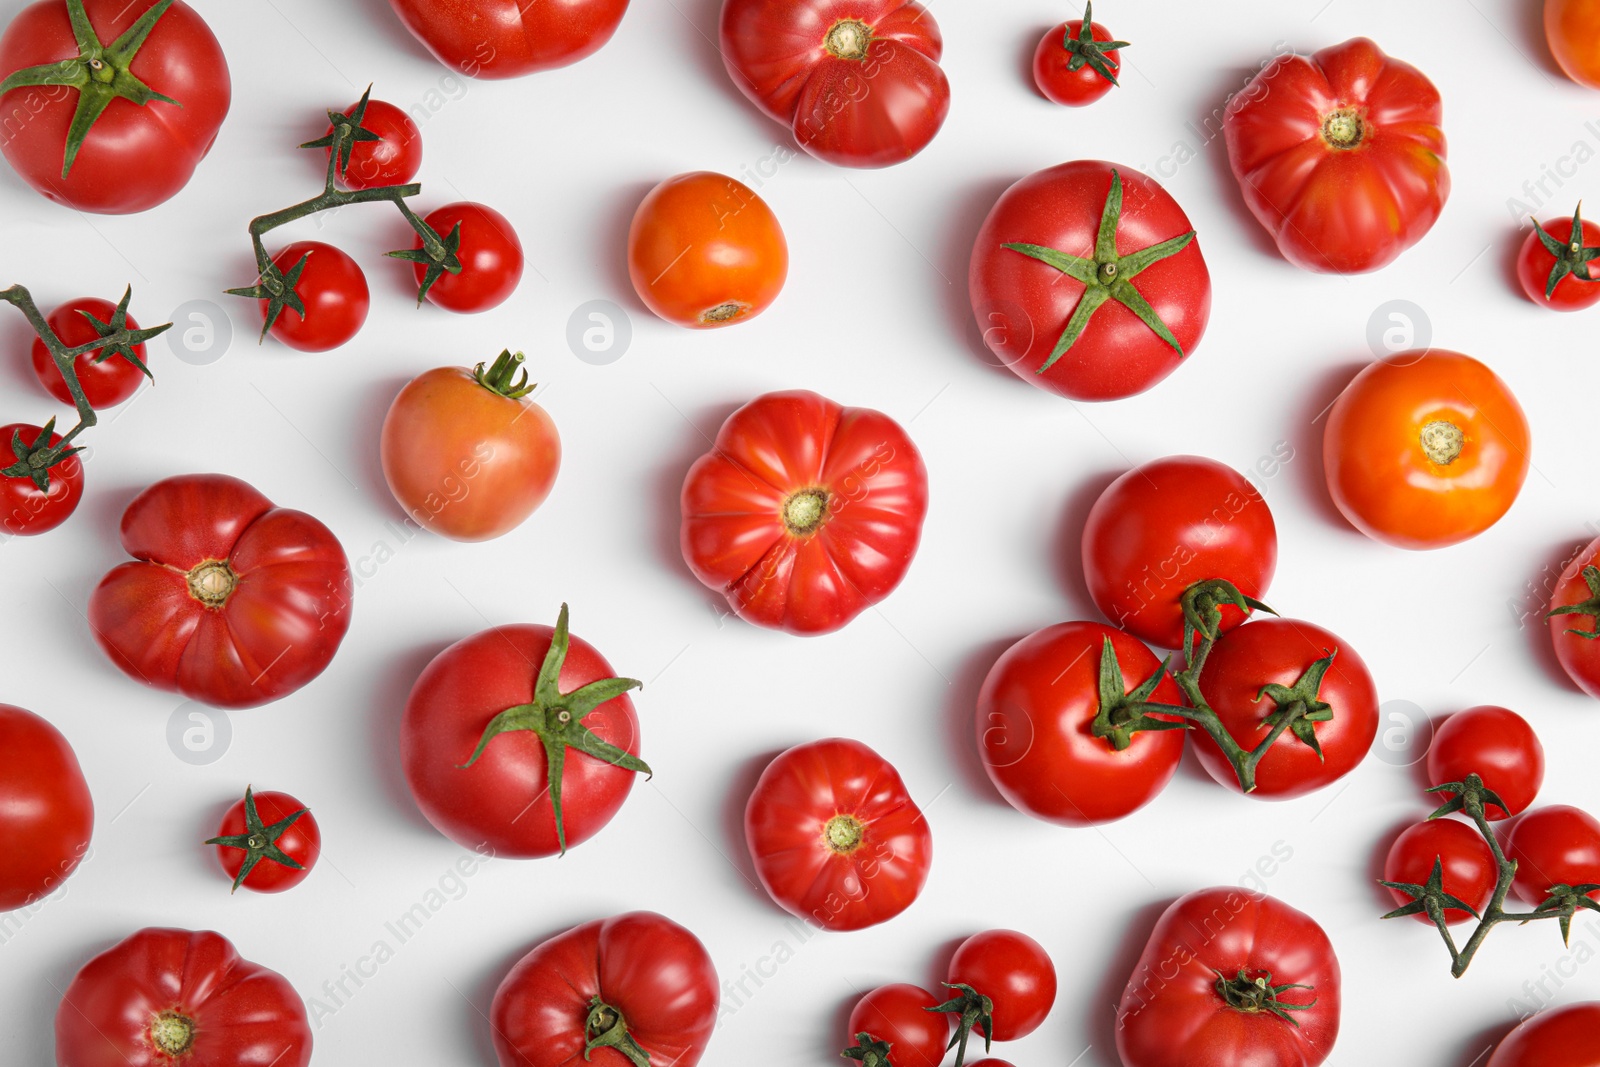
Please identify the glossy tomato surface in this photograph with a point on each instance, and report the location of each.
(510, 38)
(106, 382)
(640, 972)
(901, 1016)
(1340, 156)
(1555, 845)
(1577, 285)
(393, 159)
(1572, 29)
(1465, 862)
(25, 509)
(1034, 718)
(229, 600)
(836, 838)
(134, 157)
(1053, 74)
(1499, 747)
(1425, 449)
(858, 81)
(804, 513)
(1578, 654)
(46, 812)
(1568, 1036)
(490, 254)
(300, 841)
(1012, 970)
(334, 292)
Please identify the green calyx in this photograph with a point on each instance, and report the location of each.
(347, 131)
(1572, 255)
(1590, 607)
(1122, 713)
(1258, 994)
(36, 457)
(1300, 706)
(506, 377)
(869, 1051)
(973, 1010)
(556, 719)
(259, 842)
(1108, 276)
(1429, 898)
(604, 1027)
(100, 72)
(279, 288)
(439, 255)
(1202, 609)
(1086, 51)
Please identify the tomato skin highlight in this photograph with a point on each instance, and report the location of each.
(301, 842)
(1071, 88)
(1033, 723)
(394, 159)
(1499, 747)
(490, 254)
(1014, 971)
(1554, 845)
(1340, 156)
(334, 292)
(1467, 865)
(900, 1015)
(24, 510)
(1572, 30)
(1568, 1036)
(835, 836)
(495, 39)
(1380, 462)
(46, 811)
(105, 382)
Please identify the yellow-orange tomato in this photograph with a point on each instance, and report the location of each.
(1573, 29)
(705, 251)
(1425, 449)
(466, 454)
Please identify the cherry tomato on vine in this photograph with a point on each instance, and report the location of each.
(1572, 29)
(1034, 725)
(333, 291)
(1076, 63)
(46, 812)
(1568, 1036)
(1166, 526)
(490, 254)
(393, 159)
(105, 381)
(1555, 845)
(1499, 747)
(510, 38)
(1001, 985)
(705, 251)
(1554, 264)
(899, 1024)
(268, 842)
(1425, 449)
(1465, 861)
(25, 509)
(1574, 619)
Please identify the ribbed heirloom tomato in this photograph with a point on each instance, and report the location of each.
(1499, 747)
(1340, 156)
(230, 600)
(858, 81)
(510, 38)
(25, 509)
(46, 812)
(1465, 863)
(898, 1025)
(1557, 1037)
(105, 380)
(804, 513)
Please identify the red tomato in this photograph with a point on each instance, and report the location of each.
(1551, 846)
(804, 513)
(1004, 986)
(333, 290)
(1076, 63)
(1557, 1037)
(393, 159)
(486, 734)
(858, 81)
(268, 842)
(1165, 526)
(1574, 618)
(25, 509)
(176, 997)
(1553, 263)
(1572, 29)
(1340, 156)
(991, 1063)
(1035, 711)
(466, 453)
(1229, 979)
(1499, 747)
(705, 251)
(230, 600)
(1279, 652)
(836, 838)
(106, 381)
(46, 812)
(1425, 449)
(134, 155)
(899, 1024)
(510, 38)
(1086, 318)
(490, 254)
(1466, 864)
(613, 992)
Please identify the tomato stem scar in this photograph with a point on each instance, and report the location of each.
(804, 512)
(1343, 128)
(848, 39)
(1442, 440)
(844, 833)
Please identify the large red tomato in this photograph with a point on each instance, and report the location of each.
(165, 998)
(25, 509)
(1263, 669)
(1086, 280)
(510, 38)
(46, 812)
(1572, 30)
(835, 837)
(1558, 1037)
(106, 378)
(1229, 979)
(1499, 747)
(230, 600)
(1165, 527)
(1574, 618)
(1340, 156)
(486, 735)
(619, 992)
(155, 96)
(858, 81)
(804, 513)
(1036, 713)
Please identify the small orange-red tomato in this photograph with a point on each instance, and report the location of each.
(705, 251)
(466, 453)
(1425, 449)
(1572, 27)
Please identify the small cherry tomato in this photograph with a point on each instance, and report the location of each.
(1499, 747)
(1465, 861)
(1425, 449)
(490, 254)
(1556, 1037)
(1002, 986)
(1077, 63)
(899, 1024)
(1572, 29)
(1553, 265)
(333, 290)
(106, 379)
(393, 159)
(267, 842)
(25, 509)
(1556, 845)
(1574, 619)
(705, 251)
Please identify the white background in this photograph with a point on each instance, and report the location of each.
(875, 314)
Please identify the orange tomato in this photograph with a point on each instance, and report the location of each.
(1572, 27)
(705, 251)
(1425, 449)
(466, 454)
